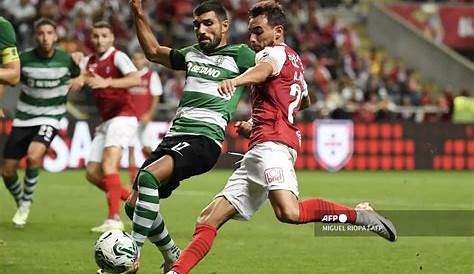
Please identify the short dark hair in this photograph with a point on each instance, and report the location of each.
(211, 5)
(102, 25)
(44, 21)
(272, 10)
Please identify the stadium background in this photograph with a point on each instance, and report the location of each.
(403, 118)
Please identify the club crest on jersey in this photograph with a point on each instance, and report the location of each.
(274, 175)
(219, 60)
(334, 143)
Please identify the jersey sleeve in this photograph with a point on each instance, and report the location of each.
(156, 89)
(83, 62)
(245, 58)
(177, 59)
(275, 56)
(304, 85)
(123, 63)
(8, 50)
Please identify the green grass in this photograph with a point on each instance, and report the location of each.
(57, 237)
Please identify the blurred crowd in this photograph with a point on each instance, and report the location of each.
(345, 79)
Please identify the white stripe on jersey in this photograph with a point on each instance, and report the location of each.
(202, 115)
(45, 73)
(45, 93)
(34, 110)
(203, 86)
(225, 62)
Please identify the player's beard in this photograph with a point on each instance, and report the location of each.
(211, 45)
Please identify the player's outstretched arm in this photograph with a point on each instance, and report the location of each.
(10, 73)
(131, 79)
(152, 49)
(255, 75)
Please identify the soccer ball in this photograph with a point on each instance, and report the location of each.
(115, 251)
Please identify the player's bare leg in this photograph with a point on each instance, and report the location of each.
(132, 164)
(113, 186)
(217, 213)
(143, 209)
(288, 210)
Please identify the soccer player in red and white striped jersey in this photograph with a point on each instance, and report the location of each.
(267, 169)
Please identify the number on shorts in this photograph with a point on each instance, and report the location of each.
(46, 131)
(180, 146)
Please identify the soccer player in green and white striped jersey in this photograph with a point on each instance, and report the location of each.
(193, 143)
(46, 78)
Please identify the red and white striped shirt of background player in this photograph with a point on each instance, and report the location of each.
(142, 95)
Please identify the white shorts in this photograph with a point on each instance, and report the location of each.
(267, 166)
(118, 131)
(145, 136)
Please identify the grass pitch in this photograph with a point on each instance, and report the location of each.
(57, 237)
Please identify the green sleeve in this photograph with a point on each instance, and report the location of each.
(245, 58)
(7, 35)
(177, 59)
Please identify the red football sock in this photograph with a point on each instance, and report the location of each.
(200, 244)
(313, 210)
(124, 192)
(132, 172)
(114, 191)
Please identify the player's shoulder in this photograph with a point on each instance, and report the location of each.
(5, 24)
(28, 54)
(277, 51)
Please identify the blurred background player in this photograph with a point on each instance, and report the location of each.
(267, 170)
(46, 74)
(110, 73)
(9, 59)
(193, 144)
(145, 98)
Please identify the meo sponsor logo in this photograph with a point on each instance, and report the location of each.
(274, 175)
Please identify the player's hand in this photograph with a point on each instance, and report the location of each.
(146, 118)
(136, 6)
(97, 82)
(77, 57)
(243, 128)
(75, 84)
(227, 87)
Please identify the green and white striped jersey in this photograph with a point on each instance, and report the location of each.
(202, 111)
(44, 88)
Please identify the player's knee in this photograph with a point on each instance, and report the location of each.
(8, 172)
(33, 160)
(288, 215)
(92, 177)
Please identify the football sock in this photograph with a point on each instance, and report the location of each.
(161, 238)
(113, 187)
(158, 235)
(124, 192)
(147, 206)
(13, 185)
(31, 181)
(313, 210)
(199, 246)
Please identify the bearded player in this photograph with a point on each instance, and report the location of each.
(267, 171)
(193, 143)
